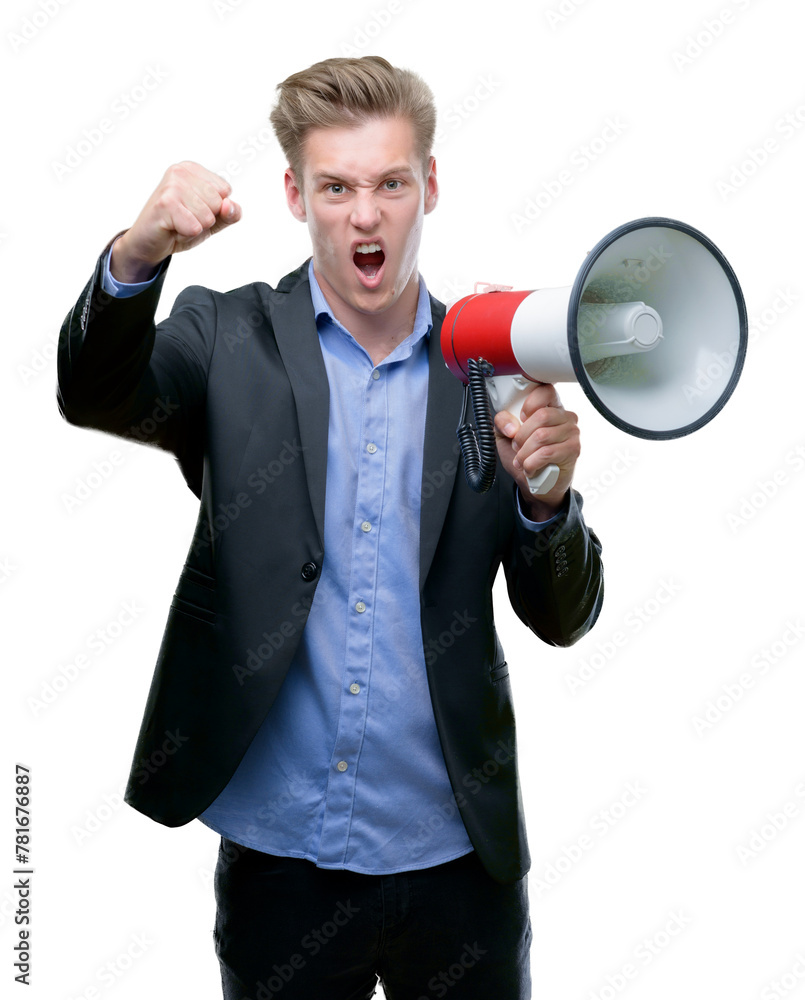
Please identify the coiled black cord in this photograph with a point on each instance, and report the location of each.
(478, 448)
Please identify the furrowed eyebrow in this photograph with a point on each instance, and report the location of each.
(397, 171)
(402, 170)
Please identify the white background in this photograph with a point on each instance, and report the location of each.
(522, 89)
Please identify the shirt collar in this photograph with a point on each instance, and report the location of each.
(423, 321)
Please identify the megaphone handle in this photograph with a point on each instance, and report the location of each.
(544, 480)
(509, 392)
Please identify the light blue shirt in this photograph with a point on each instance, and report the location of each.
(347, 770)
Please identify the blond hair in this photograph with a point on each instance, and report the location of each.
(346, 93)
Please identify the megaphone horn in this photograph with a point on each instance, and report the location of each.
(654, 304)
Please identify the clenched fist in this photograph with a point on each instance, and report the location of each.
(189, 205)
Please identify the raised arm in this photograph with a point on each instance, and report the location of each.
(115, 373)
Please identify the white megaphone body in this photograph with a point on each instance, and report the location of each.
(654, 306)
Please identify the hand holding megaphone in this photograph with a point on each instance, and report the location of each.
(538, 445)
(654, 329)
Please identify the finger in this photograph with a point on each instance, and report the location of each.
(211, 194)
(541, 430)
(544, 438)
(544, 423)
(549, 416)
(192, 214)
(185, 222)
(214, 211)
(531, 463)
(202, 193)
(544, 394)
(537, 453)
(190, 172)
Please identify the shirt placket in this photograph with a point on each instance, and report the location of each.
(342, 784)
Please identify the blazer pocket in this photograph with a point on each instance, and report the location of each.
(195, 594)
(195, 610)
(499, 672)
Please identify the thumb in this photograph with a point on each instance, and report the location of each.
(230, 213)
(506, 423)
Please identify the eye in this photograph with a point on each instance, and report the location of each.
(335, 188)
(393, 184)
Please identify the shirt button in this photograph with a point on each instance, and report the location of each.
(375, 374)
(360, 607)
(342, 765)
(366, 526)
(371, 448)
(355, 688)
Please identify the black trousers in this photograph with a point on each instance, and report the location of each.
(287, 930)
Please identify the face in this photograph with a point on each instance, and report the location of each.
(364, 188)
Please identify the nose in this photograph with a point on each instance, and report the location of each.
(365, 211)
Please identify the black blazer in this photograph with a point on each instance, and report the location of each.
(234, 385)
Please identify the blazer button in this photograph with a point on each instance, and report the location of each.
(309, 571)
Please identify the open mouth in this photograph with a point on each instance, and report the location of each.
(369, 259)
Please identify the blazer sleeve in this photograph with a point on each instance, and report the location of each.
(118, 373)
(555, 576)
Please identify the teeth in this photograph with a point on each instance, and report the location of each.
(367, 248)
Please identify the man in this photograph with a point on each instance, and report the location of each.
(330, 695)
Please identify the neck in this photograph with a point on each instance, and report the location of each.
(377, 333)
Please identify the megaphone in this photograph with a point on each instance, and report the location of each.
(653, 328)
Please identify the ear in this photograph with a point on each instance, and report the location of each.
(296, 202)
(431, 187)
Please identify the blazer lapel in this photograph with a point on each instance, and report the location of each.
(441, 455)
(298, 342)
